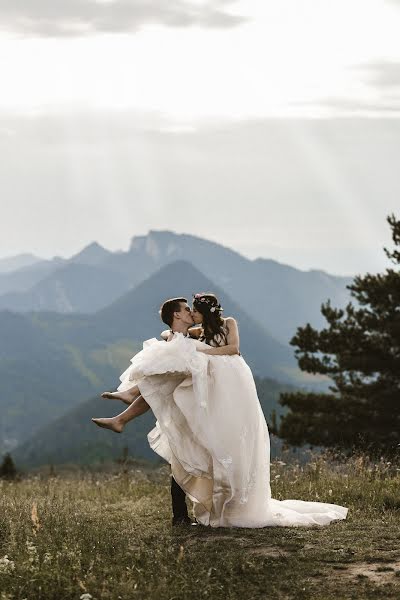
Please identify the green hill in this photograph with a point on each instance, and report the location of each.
(73, 438)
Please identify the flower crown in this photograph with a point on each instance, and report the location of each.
(211, 303)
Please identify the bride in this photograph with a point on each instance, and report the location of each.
(211, 429)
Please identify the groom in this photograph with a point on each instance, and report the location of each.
(175, 313)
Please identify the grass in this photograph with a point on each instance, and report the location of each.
(108, 535)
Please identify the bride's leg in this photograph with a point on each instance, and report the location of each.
(127, 396)
(137, 407)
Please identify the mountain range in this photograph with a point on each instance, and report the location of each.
(71, 288)
(20, 261)
(277, 296)
(69, 327)
(51, 362)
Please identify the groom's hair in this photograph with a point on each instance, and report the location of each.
(169, 307)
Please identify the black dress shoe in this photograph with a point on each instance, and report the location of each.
(185, 521)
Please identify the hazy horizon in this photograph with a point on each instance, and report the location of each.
(238, 121)
(152, 231)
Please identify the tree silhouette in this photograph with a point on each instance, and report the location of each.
(360, 352)
(7, 468)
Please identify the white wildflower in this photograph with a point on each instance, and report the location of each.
(30, 547)
(86, 597)
(32, 555)
(7, 566)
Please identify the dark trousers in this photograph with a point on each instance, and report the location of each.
(179, 508)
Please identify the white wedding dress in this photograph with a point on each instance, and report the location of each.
(211, 429)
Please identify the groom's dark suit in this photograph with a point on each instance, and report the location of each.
(178, 496)
(179, 508)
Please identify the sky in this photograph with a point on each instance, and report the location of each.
(270, 127)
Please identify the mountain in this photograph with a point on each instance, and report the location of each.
(12, 263)
(139, 308)
(76, 287)
(92, 255)
(42, 376)
(278, 296)
(51, 362)
(23, 272)
(22, 279)
(74, 439)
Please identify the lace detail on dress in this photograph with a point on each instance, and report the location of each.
(227, 462)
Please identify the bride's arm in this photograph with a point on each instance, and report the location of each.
(232, 346)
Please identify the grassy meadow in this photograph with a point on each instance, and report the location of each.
(107, 535)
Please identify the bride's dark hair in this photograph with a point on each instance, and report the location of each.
(213, 323)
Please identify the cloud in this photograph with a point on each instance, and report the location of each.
(383, 74)
(117, 175)
(51, 18)
(381, 77)
(348, 106)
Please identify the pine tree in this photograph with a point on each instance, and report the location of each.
(7, 468)
(360, 352)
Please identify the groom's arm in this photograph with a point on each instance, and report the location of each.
(166, 335)
(194, 332)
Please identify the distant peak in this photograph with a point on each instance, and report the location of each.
(19, 261)
(166, 242)
(94, 245)
(138, 241)
(157, 244)
(23, 255)
(91, 254)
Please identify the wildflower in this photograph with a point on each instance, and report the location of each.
(7, 566)
(31, 548)
(180, 554)
(35, 519)
(32, 554)
(86, 597)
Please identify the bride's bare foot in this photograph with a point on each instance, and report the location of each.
(112, 423)
(126, 397)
